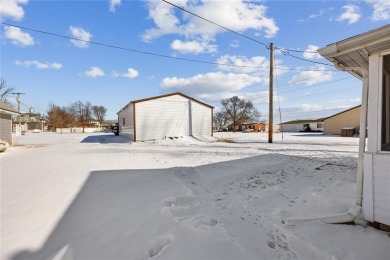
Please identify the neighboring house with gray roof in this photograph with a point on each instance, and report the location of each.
(300, 125)
(6, 113)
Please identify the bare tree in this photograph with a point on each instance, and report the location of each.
(83, 113)
(57, 116)
(99, 113)
(5, 91)
(240, 110)
(221, 120)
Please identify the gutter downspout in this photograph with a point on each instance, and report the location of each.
(356, 210)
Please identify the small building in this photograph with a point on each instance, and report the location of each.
(248, 127)
(350, 118)
(167, 116)
(301, 125)
(367, 57)
(6, 113)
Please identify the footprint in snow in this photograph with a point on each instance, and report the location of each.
(159, 244)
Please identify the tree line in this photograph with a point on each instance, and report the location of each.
(235, 111)
(78, 113)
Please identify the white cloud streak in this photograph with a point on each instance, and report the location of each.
(130, 74)
(114, 4)
(12, 9)
(193, 47)
(238, 15)
(18, 37)
(39, 65)
(310, 78)
(210, 83)
(310, 53)
(351, 14)
(80, 33)
(381, 9)
(94, 72)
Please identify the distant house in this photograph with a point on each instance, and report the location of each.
(28, 121)
(367, 57)
(301, 125)
(6, 113)
(350, 118)
(248, 127)
(166, 116)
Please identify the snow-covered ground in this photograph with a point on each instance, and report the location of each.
(99, 196)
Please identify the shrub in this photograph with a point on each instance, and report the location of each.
(3, 146)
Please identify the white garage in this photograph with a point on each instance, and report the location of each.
(166, 116)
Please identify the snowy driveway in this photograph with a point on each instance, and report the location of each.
(99, 196)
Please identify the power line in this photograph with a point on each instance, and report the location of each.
(306, 112)
(325, 92)
(315, 85)
(150, 53)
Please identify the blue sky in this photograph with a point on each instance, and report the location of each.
(61, 71)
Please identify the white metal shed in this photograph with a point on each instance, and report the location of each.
(6, 112)
(367, 56)
(166, 116)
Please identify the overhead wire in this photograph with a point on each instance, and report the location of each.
(149, 53)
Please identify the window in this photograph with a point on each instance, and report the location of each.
(320, 125)
(124, 121)
(305, 125)
(385, 131)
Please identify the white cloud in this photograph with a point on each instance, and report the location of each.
(130, 74)
(18, 37)
(210, 83)
(235, 44)
(114, 4)
(316, 15)
(351, 14)
(80, 33)
(309, 78)
(249, 65)
(258, 65)
(193, 47)
(381, 9)
(39, 65)
(12, 9)
(238, 15)
(310, 52)
(94, 72)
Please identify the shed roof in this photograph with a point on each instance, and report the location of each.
(165, 95)
(354, 51)
(303, 121)
(342, 112)
(4, 108)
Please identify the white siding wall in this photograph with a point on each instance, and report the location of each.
(162, 117)
(299, 127)
(292, 127)
(201, 120)
(381, 181)
(128, 127)
(376, 189)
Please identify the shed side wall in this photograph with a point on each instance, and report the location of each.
(333, 125)
(127, 128)
(6, 128)
(201, 120)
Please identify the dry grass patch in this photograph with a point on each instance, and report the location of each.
(225, 140)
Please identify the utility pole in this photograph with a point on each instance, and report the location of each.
(271, 94)
(20, 116)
